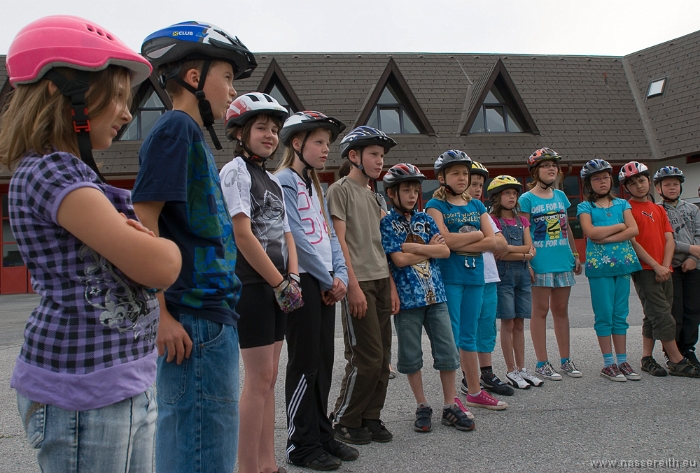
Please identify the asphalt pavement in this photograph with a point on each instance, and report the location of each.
(565, 426)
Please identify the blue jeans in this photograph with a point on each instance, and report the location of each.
(464, 304)
(197, 429)
(114, 438)
(514, 290)
(409, 330)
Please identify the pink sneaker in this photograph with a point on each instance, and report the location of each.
(485, 400)
(464, 409)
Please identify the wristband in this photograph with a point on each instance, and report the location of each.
(576, 255)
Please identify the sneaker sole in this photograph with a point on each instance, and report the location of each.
(613, 378)
(459, 427)
(486, 406)
(684, 375)
(633, 378)
(510, 392)
(532, 383)
(422, 430)
(552, 378)
(352, 441)
(387, 440)
(572, 375)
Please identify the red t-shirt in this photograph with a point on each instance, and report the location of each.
(653, 225)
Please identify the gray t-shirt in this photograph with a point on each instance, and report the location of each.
(359, 208)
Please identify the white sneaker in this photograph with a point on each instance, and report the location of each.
(530, 378)
(547, 372)
(570, 369)
(517, 381)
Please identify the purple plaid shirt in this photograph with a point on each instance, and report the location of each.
(90, 342)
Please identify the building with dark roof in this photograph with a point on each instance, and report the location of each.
(497, 108)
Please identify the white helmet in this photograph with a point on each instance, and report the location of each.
(249, 105)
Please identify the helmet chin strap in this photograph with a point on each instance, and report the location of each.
(205, 111)
(252, 157)
(666, 199)
(400, 207)
(360, 166)
(305, 173)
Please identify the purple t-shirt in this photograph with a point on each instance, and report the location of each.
(91, 341)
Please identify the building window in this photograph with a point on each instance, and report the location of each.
(656, 87)
(389, 115)
(495, 116)
(149, 111)
(277, 94)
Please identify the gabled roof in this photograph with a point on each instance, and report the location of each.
(392, 75)
(497, 75)
(674, 117)
(274, 76)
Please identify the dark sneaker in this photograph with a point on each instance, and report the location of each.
(650, 365)
(423, 422)
(629, 373)
(355, 436)
(377, 430)
(491, 382)
(324, 462)
(690, 356)
(463, 387)
(683, 368)
(613, 373)
(457, 418)
(341, 451)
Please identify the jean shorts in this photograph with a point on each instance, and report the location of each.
(409, 330)
(514, 291)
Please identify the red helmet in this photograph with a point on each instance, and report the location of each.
(69, 41)
(542, 154)
(402, 173)
(632, 169)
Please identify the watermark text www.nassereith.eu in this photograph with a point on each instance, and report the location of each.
(667, 463)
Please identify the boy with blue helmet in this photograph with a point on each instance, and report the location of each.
(178, 194)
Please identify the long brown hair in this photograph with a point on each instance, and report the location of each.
(588, 188)
(35, 119)
(535, 174)
(497, 209)
(288, 162)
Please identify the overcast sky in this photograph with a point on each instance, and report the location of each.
(587, 27)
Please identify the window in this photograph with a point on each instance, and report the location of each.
(277, 94)
(656, 87)
(149, 111)
(390, 116)
(495, 116)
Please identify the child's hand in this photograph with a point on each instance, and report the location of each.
(395, 301)
(288, 295)
(532, 251)
(578, 268)
(500, 254)
(532, 275)
(137, 225)
(437, 239)
(335, 293)
(695, 250)
(689, 265)
(662, 273)
(357, 302)
(172, 338)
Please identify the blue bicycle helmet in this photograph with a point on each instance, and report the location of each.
(594, 166)
(668, 171)
(363, 136)
(449, 158)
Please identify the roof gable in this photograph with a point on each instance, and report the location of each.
(275, 77)
(499, 77)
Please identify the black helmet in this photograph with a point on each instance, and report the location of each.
(449, 158)
(194, 40)
(365, 136)
(309, 121)
(402, 173)
(595, 166)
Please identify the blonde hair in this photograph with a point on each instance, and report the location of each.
(288, 162)
(34, 119)
(441, 193)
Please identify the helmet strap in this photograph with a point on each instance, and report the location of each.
(396, 202)
(307, 166)
(252, 157)
(360, 166)
(205, 111)
(75, 89)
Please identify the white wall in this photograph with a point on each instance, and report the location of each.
(691, 171)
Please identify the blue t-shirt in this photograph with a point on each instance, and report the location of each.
(608, 259)
(550, 232)
(178, 168)
(461, 267)
(420, 284)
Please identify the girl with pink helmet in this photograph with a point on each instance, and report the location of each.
(85, 372)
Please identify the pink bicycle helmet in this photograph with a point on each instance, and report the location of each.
(632, 169)
(69, 41)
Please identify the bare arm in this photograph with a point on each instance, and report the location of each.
(292, 261)
(454, 241)
(488, 243)
(578, 269)
(629, 232)
(90, 216)
(172, 337)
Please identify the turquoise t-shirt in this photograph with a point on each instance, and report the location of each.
(550, 232)
(608, 259)
(461, 267)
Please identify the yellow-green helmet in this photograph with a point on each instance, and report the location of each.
(479, 169)
(503, 182)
